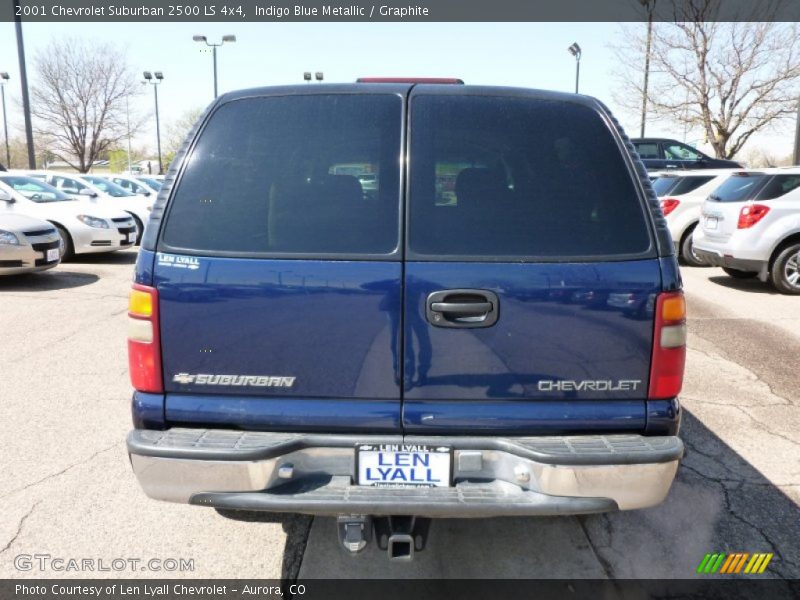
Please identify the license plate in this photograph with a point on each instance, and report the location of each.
(402, 465)
(131, 238)
(711, 222)
(52, 255)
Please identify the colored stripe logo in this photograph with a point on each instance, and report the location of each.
(737, 562)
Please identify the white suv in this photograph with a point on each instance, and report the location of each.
(682, 194)
(751, 227)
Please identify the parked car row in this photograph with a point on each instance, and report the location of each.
(47, 217)
(745, 221)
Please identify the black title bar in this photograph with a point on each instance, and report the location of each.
(232, 11)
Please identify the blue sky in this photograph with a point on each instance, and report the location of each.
(517, 54)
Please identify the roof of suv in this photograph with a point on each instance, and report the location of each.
(655, 139)
(398, 88)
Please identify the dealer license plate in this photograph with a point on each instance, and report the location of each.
(52, 255)
(403, 465)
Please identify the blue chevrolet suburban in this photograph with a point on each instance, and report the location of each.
(390, 301)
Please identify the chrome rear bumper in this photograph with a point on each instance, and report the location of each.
(492, 476)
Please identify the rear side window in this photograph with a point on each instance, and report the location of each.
(67, 185)
(739, 188)
(299, 175)
(495, 177)
(647, 150)
(664, 184)
(778, 186)
(690, 184)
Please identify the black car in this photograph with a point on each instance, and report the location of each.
(663, 153)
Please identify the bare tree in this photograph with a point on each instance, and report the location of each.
(177, 132)
(78, 100)
(729, 80)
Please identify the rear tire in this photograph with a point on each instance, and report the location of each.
(737, 274)
(687, 250)
(785, 273)
(66, 246)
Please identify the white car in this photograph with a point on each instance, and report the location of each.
(105, 193)
(751, 227)
(83, 226)
(27, 245)
(131, 184)
(682, 194)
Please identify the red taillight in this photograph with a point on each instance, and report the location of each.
(751, 214)
(668, 205)
(448, 80)
(144, 344)
(669, 346)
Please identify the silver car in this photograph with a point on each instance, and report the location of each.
(27, 245)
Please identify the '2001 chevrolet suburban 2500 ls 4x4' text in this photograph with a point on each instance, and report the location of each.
(493, 326)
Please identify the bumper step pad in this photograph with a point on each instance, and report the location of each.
(467, 500)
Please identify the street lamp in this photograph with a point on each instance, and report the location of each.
(154, 79)
(204, 39)
(319, 76)
(4, 77)
(575, 50)
(796, 156)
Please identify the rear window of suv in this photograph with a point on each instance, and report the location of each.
(778, 186)
(499, 177)
(285, 175)
(664, 184)
(739, 187)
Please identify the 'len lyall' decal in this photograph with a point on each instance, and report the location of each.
(179, 262)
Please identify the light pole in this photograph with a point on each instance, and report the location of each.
(23, 82)
(4, 77)
(649, 6)
(797, 137)
(575, 50)
(155, 79)
(128, 121)
(204, 39)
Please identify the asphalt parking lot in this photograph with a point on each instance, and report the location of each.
(68, 491)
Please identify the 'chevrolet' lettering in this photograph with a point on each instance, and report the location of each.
(600, 385)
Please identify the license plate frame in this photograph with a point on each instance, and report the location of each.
(418, 474)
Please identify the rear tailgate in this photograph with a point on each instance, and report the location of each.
(279, 273)
(512, 210)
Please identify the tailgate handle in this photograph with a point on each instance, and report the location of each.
(462, 308)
